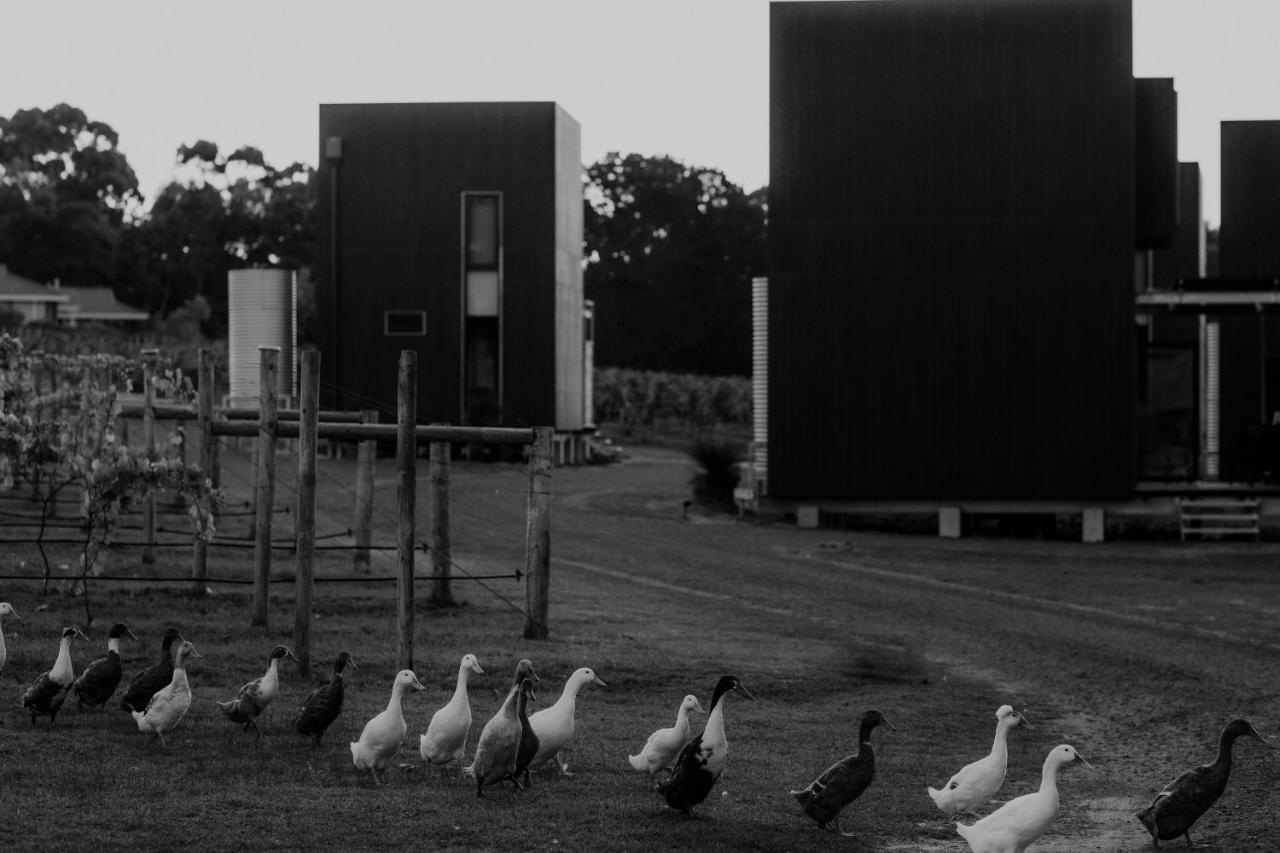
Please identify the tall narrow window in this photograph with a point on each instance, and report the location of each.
(482, 318)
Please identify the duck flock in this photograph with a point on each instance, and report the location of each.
(682, 766)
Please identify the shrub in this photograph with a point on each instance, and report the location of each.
(718, 460)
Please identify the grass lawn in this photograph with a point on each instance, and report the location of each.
(658, 608)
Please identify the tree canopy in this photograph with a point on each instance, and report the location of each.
(66, 194)
(670, 252)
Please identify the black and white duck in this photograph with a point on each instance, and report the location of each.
(499, 744)
(702, 759)
(5, 610)
(324, 704)
(844, 781)
(101, 678)
(155, 677)
(253, 698)
(1181, 803)
(44, 698)
(169, 704)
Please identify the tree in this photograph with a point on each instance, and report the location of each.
(226, 213)
(66, 193)
(670, 251)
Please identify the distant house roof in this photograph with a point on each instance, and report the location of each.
(15, 288)
(96, 303)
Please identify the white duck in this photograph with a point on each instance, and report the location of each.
(979, 781)
(663, 745)
(446, 735)
(554, 725)
(1013, 826)
(169, 704)
(382, 735)
(44, 698)
(5, 610)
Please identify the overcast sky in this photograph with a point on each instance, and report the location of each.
(687, 78)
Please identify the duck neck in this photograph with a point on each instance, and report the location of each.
(1223, 761)
(464, 677)
(522, 705)
(682, 719)
(864, 736)
(509, 704)
(397, 690)
(1000, 746)
(179, 672)
(62, 671)
(113, 646)
(1049, 779)
(569, 697)
(271, 678)
(714, 730)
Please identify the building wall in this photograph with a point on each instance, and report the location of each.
(1247, 243)
(951, 250)
(1185, 256)
(1156, 162)
(390, 233)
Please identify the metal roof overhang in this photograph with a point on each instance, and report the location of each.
(1208, 301)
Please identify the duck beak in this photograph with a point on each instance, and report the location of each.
(599, 681)
(891, 726)
(14, 614)
(81, 634)
(195, 653)
(1022, 722)
(1080, 758)
(742, 691)
(477, 670)
(418, 685)
(697, 706)
(132, 635)
(1259, 738)
(351, 663)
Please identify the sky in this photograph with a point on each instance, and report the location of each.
(683, 78)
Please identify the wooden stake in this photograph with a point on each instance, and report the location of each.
(149, 357)
(441, 546)
(366, 466)
(406, 464)
(204, 425)
(538, 535)
(265, 479)
(308, 444)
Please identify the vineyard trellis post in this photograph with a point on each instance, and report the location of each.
(406, 464)
(441, 545)
(308, 440)
(538, 535)
(149, 359)
(208, 459)
(265, 480)
(366, 465)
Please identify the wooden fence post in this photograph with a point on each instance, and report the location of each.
(537, 546)
(265, 479)
(204, 424)
(308, 442)
(366, 465)
(149, 357)
(406, 463)
(441, 545)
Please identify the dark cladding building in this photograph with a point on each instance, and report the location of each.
(953, 233)
(454, 230)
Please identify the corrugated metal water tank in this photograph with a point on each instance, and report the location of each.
(760, 375)
(262, 312)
